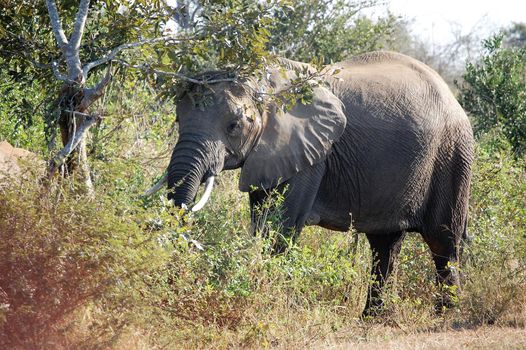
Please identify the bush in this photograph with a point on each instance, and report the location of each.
(222, 285)
(59, 252)
(494, 92)
(496, 258)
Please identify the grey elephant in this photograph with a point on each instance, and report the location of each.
(382, 145)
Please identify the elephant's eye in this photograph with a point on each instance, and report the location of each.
(233, 127)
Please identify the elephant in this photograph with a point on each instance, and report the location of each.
(382, 145)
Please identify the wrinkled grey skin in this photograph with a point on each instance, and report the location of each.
(385, 147)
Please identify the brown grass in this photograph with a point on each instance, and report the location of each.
(481, 338)
(356, 336)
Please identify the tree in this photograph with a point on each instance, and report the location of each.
(135, 35)
(494, 92)
(328, 30)
(35, 47)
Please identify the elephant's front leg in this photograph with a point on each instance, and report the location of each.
(293, 209)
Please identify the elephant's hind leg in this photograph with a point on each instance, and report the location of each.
(385, 249)
(445, 248)
(445, 221)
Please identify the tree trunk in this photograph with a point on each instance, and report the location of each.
(72, 120)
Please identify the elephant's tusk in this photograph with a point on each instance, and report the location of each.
(157, 186)
(208, 190)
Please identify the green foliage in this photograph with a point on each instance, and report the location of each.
(231, 36)
(496, 258)
(26, 38)
(494, 92)
(328, 31)
(21, 114)
(239, 30)
(28, 49)
(228, 35)
(220, 276)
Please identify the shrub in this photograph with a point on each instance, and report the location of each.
(223, 284)
(494, 92)
(495, 266)
(59, 252)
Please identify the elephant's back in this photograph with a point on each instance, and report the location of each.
(402, 120)
(387, 93)
(404, 87)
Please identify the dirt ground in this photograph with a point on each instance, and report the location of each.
(482, 338)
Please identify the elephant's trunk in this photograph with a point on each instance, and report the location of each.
(186, 170)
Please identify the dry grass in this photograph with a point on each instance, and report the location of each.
(356, 336)
(481, 338)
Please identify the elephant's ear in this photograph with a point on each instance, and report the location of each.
(292, 140)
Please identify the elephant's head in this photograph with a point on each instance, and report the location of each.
(228, 125)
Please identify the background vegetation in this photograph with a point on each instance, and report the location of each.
(118, 270)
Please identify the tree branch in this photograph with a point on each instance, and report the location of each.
(80, 23)
(113, 53)
(70, 52)
(92, 94)
(149, 69)
(197, 8)
(56, 25)
(58, 75)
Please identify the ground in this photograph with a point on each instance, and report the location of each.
(482, 338)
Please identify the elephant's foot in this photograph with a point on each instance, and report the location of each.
(445, 251)
(373, 310)
(447, 299)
